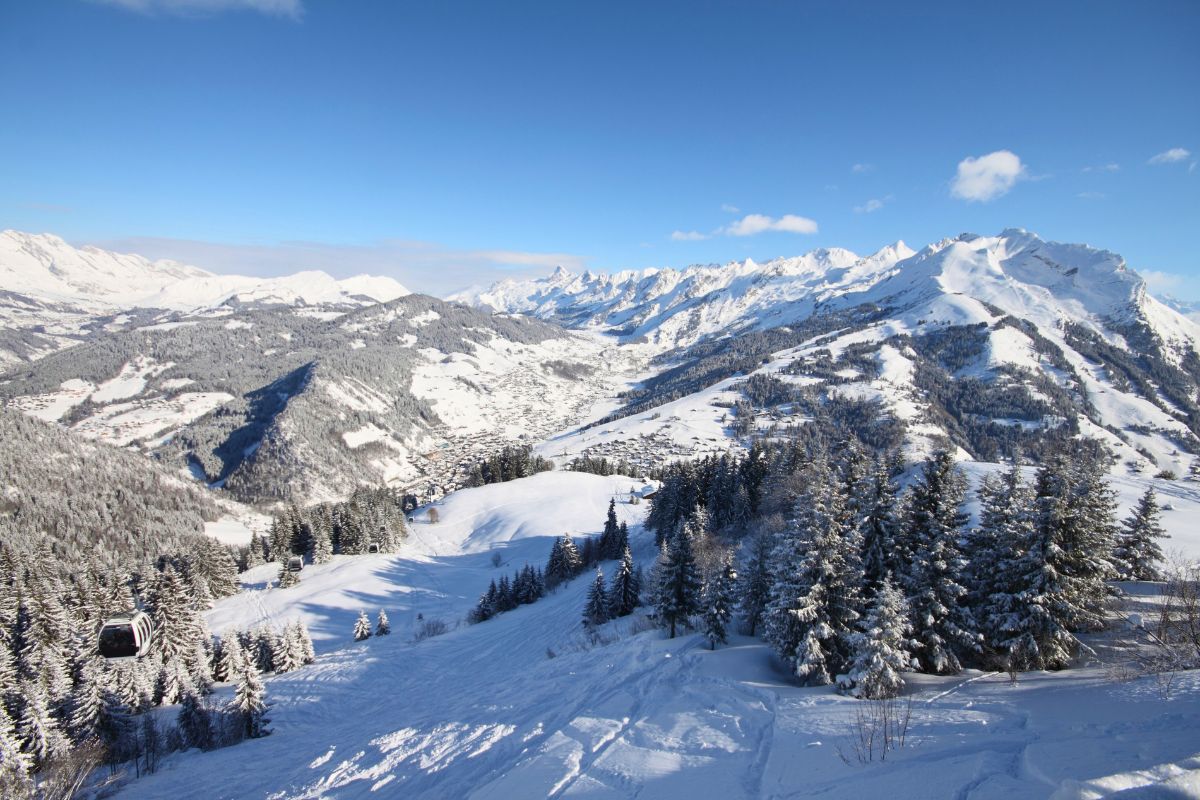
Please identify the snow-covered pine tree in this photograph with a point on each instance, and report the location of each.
(37, 727)
(194, 721)
(624, 591)
(565, 562)
(880, 544)
(678, 595)
(942, 622)
(754, 578)
(382, 626)
(287, 578)
(718, 604)
(14, 764)
(322, 545)
(1138, 554)
(993, 548)
(249, 705)
(817, 582)
(254, 552)
(608, 538)
(283, 653)
(595, 612)
(231, 655)
(362, 627)
(882, 647)
(308, 653)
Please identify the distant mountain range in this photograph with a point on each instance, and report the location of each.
(304, 386)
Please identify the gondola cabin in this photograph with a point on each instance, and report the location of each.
(295, 564)
(373, 547)
(126, 637)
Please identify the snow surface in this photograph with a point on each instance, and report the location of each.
(527, 706)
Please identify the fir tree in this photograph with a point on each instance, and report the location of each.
(249, 704)
(362, 627)
(882, 648)
(564, 563)
(880, 543)
(1138, 553)
(623, 594)
(718, 605)
(609, 538)
(754, 579)
(14, 764)
(816, 583)
(942, 622)
(287, 578)
(679, 586)
(194, 721)
(382, 626)
(322, 546)
(596, 611)
(37, 728)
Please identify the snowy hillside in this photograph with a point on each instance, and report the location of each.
(527, 705)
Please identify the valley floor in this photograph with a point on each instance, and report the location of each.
(526, 705)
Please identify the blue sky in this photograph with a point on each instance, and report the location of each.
(449, 143)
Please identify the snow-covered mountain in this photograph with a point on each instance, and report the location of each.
(53, 295)
(47, 268)
(994, 341)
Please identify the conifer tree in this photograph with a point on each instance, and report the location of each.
(816, 583)
(14, 764)
(994, 548)
(880, 543)
(718, 605)
(623, 594)
(287, 578)
(754, 579)
(307, 652)
(942, 622)
(194, 721)
(678, 596)
(1138, 553)
(882, 648)
(322, 546)
(565, 562)
(362, 627)
(595, 612)
(382, 626)
(254, 552)
(37, 728)
(249, 703)
(609, 543)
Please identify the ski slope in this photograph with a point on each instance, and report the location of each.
(527, 706)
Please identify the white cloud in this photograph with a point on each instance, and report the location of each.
(987, 177)
(728, 209)
(1160, 281)
(1172, 156)
(874, 204)
(421, 266)
(1090, 195)
(281, 8)
(754, 224)
(1112, 167)
(688, 236)
(862, 169)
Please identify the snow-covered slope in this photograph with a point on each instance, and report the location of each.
(526, 705)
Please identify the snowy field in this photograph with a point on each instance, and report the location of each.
(526, 706)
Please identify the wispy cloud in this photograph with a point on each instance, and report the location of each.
(862, 169)
(987, 177)
(754, 224)
(873, 205)
(421, 266)
(1091, 195)
(280, 8)
(729, 209)
(1112, 167)
(1160, 281)
(688, 236)
(1172, 156)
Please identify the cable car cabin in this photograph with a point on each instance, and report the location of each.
(295, 564)
(373, 547)
(126, 637)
